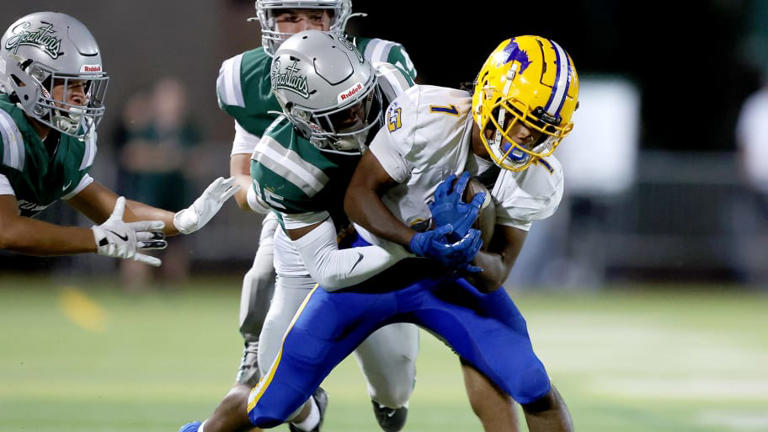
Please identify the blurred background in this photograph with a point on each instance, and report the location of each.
(645, 293)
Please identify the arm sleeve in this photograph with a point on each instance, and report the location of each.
(244, 142)
(335, 268)
(5, 186)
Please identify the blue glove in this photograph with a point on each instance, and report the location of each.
(424, 242)
(459, 254)
(434, 244)
(449, 208)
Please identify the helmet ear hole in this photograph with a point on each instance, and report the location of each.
(17, 81)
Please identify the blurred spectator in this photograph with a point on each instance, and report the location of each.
(154, 141)
(751, 218)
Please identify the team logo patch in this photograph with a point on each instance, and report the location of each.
(290, 80)
(394, 117)
(43, 37)
(348, 93)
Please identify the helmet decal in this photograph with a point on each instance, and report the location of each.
(348, 93)
(562, 82)
(290, 79)
(43, 38)
(91, 68)
(514, 53)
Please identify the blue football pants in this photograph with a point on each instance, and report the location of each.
(486, 330)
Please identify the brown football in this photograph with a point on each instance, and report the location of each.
(486, 218)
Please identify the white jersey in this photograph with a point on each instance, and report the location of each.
(428, 136)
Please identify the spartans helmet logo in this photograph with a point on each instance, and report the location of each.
(290, 79)
(42, 37)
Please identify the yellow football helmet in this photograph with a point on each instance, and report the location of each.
(528, 79)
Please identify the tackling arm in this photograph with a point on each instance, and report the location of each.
(34, 237)
(96, 202)
(335, 268)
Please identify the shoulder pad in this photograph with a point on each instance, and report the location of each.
(228, 86)
(392, 80)
(12, 148)
(89, 153)
(380, 50)
(289, 166)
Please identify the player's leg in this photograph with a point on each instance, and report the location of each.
(483, 328)
(230, 416)
(327, 327)
(549, 413)
(388, 361)
(495, 409)
(290, 293)
(255, 298)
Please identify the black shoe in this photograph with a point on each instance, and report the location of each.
(390, 419)
(321, 399)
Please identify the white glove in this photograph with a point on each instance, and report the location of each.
(118, 239)
(206, 206)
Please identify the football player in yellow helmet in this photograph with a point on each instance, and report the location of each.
(503, 134)
(527, 81)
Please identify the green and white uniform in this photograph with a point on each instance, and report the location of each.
(244, 92)
(304, 185)
(36, 175)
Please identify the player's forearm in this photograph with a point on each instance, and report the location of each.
(494, 273)
(239, 168)
(365, 208)
(34, 237)
(498, 259)
(335, 268)
(141, 212)
(241, 196)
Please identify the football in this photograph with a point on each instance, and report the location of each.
(486, 217)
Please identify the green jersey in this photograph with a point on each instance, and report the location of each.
(293, 176)
(296, 178)
(36, 175)
(244, 90)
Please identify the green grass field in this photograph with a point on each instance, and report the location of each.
(86, 357)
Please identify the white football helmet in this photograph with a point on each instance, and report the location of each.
(44, 49)
(327, 90)
(266, 10)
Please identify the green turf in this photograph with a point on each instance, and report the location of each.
(631, 361)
